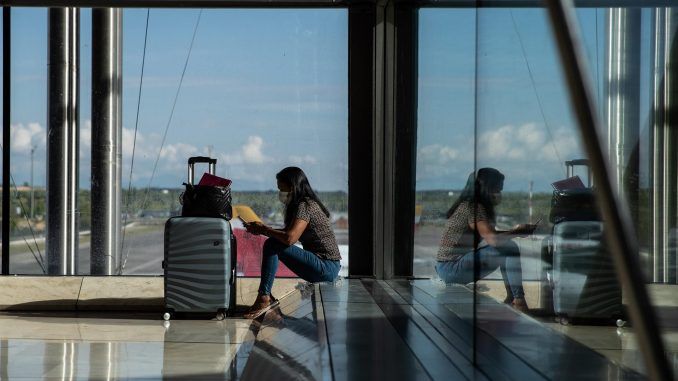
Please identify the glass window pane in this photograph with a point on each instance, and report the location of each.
(634, 79)
(564, 271)
(262, 90)
(445, 119)
(28, 133)
(445, 157)
(85, 169)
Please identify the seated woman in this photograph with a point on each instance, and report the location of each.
(470, 235)
(306, 220)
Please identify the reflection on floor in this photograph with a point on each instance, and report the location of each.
(358, 329)
(619, 344)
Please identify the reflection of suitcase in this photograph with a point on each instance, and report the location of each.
(200, 254)
(585, 284)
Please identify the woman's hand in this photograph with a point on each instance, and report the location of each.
(523, 230)
(256, 228)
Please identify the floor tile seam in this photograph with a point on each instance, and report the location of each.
(326, 330)
(498, 343)
(467, 361)
(77, 299)
(443, 322)
(562, 335)
(443, 335)
(406, 341)
(359, 302)
(299, 306)
(301, 369)
(389, 324)
(272, 324)
(117, 341)
(247, 346)
(488, 357)
(427, 306)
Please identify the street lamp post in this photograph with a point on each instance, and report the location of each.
(32, 185)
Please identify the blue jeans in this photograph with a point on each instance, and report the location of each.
(505, 257)
(307, 265)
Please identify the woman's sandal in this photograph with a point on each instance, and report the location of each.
(520, 305)
(259, 309)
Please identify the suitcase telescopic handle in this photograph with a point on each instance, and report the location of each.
(200, 159)
(570, 164)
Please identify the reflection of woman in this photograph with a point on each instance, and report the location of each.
(306, 220)
(471, 220)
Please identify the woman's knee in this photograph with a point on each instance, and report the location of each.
(272, 246)
(510, 249)
(330, 272)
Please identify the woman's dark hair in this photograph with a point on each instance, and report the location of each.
(480, 189)
(301, 190)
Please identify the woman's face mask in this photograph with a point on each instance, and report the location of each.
(283, 197)
(496, 198)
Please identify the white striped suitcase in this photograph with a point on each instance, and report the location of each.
(199, 266)
(585, 284)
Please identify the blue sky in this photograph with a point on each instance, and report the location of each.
(520, 125)
(268, 88)
(265, 89)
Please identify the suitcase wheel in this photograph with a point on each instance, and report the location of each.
(563, 320)
(167, 316)
(221, 314)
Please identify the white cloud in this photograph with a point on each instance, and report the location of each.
(128, 141)
(250, 153)
(25, 136)
(85, 137)
(523, 152)
(439, 154)
(438, 161)
(527, 142)
(300, 160)
(179, 152)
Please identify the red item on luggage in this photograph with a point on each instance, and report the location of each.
(211, 180)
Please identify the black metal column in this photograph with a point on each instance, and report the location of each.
(106, 139)
(361, 21)
(406, 23)
(622, 101)
(6, 103)
(670, 223)
(62, 141)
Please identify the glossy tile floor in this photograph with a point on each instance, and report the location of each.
(355, 330)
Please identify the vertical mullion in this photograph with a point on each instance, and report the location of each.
(6, 96)
(406, 21)
(361, 24)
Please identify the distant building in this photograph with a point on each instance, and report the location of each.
(340, 220)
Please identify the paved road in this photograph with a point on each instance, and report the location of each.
(144, 253)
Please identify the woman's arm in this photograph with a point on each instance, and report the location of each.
(288, 237)
(488, 233)
(494, 237)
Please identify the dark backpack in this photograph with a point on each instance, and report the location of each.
(206, 201)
